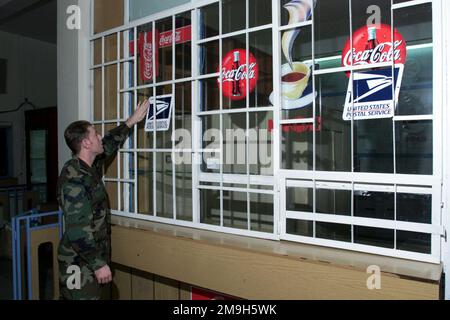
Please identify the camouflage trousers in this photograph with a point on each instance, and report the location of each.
(84, 288)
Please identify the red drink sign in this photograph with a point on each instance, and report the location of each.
(145, 48)
(374, 44)
(182, 35)
(235, 71)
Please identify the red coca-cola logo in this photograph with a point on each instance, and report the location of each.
(145, 48)
(182, 35)
(235, 71)
(374, 44)
(145, 45)
(147, 60)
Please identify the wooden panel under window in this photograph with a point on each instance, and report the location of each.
(108, 14)
(122, 286)
(134, 284)
(143, 285)
(166, 289)
(327, 275)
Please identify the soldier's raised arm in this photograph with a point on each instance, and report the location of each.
(117, 136)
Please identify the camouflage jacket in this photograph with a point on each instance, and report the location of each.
(83, 199)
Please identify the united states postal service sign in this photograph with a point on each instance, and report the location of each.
(375, 94)
(161, 111)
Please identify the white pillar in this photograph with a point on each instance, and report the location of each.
(73, 71)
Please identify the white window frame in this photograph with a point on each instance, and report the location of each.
(281, 178)
(391, 181)
(197, 176)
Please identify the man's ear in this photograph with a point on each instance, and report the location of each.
(85, 144)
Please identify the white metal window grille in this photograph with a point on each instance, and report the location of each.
(145, 178)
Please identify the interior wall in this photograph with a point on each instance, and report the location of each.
(31, 74)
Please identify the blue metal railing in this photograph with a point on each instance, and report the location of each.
(32, 221)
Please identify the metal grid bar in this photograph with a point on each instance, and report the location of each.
(174, 181)
(119, 160)
(407, 4)
(221, 108)
(195, 120)
(155, 208)
(135, 80)
(247, 115)
(365, 222)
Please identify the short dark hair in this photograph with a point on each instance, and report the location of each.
(75, 133)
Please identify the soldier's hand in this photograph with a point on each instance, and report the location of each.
(139, 114)
(103, 275)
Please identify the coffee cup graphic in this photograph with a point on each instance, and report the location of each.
(294, 80)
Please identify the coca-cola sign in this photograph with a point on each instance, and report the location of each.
(234, 74)
(147, 53)
(182, 35)
(374, 44)
(145, 45)
(163, 39)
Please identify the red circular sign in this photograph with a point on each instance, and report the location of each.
(235, 71)
(373, 44)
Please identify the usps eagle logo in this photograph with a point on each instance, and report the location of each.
(160, 112)
(373, 94)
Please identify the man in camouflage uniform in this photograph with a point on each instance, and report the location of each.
(85, 245)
